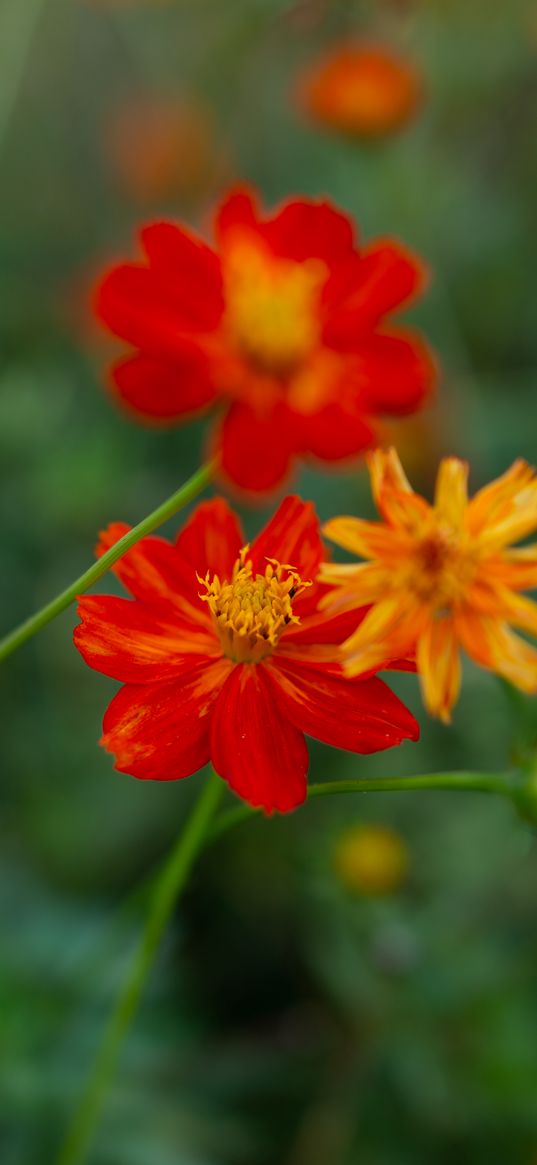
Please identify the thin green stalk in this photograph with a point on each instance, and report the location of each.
(180, 498)
(166, 889)
(470, 782)
(170, 882)
(498, 783)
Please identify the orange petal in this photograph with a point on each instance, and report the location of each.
(517, 568)
(366, 539)
(505, 510)
(451, 494)
(491, 643)
(513, 568)
(388, 631)
(491, 597)
(355, 586)
(392, 491)
(439, 667)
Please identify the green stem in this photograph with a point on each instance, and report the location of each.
(470, 782)
(170, 882)
(180, 498)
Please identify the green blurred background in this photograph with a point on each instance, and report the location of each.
(289, 1020)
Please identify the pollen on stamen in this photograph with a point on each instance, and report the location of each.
(252, 611)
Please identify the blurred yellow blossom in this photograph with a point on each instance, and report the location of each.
(371, 859)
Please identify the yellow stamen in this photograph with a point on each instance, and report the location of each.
(252, 610)
(272, 314)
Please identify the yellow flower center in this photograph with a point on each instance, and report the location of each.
(252, 610)
(272, 314)
(443, 567)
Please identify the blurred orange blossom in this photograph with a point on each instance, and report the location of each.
(160, 147)
(362, 90)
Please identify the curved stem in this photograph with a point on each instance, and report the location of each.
(169, 884)
(469, 782)
(498, 783)
(180, 498)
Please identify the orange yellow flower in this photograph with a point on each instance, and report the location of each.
(361, 90)
(371, 859)
(442, 577)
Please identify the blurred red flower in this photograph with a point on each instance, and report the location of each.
(362, 90)
(225, 657)
(286, 324)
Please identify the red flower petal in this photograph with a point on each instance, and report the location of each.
(386, 278)
(318, 627)
(142, 308)
(336, 432)
(398, 372)
(254, 747)
(292, 536)
(152, 571)
(192, 270)
(211, 540)
(255, 452)
(163, 391)
(160, 732)
(310, 230)
(359, 715)
(239, 209)
(138, 645)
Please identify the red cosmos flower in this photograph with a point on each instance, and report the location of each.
(225, 657)
(286, 324)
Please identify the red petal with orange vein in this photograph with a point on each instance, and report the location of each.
(386, 278)
(359, 715)
(318, 627)
(160, 732)
(255, 452)
(135, 644)
(398, 372)
(192, 270)
(254, 747)
(163, 391)
(152, 571)
(310, 230)
(292, 536)
(211, 540)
